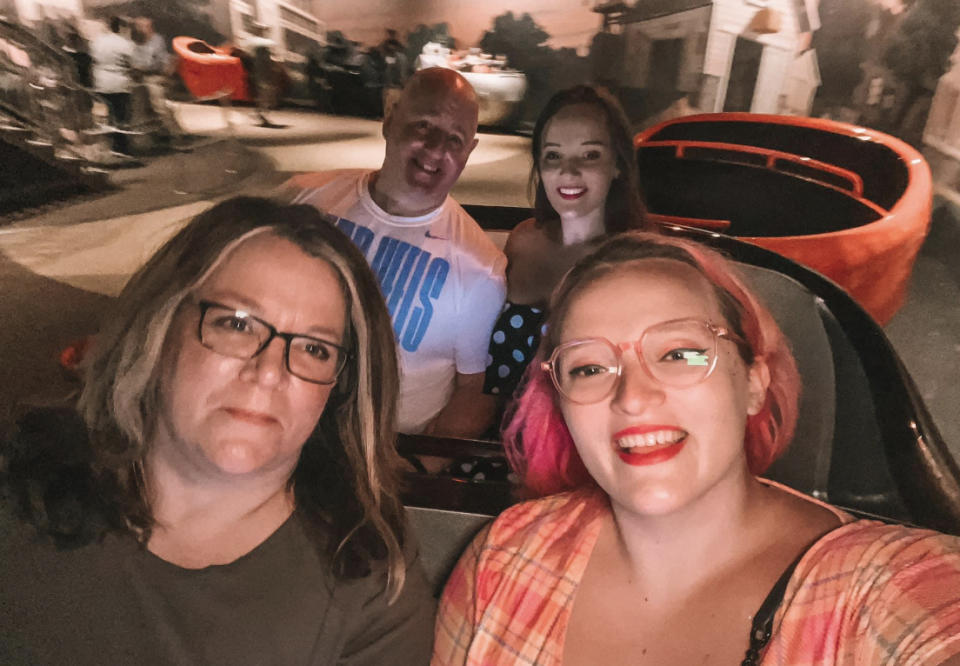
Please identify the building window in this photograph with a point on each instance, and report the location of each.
(302, 22)
(302, 5)
(248, 22)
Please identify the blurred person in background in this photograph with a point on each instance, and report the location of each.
(154, 63)
(112, 54)
(262, 72)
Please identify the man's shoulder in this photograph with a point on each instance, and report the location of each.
(318, 179)
(331, 191)
(468, 237)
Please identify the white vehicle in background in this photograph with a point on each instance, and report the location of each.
(499, 87)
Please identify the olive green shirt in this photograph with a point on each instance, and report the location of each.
(116, 603)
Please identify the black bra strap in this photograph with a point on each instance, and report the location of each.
(762, 627)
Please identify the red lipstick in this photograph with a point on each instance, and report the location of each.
(648, 455)
(570, 197)
(654, 456)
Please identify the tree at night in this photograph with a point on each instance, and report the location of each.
(918, 53)
(841, 44)
(170, 17)
(520, 39)
(416, 38)
(523, 41)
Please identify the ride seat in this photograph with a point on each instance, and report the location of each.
(443, 535)
(864, 440)
(837, 453)
(806, 463)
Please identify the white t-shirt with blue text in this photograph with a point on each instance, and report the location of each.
(442, 277)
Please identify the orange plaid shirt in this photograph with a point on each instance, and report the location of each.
(865, 593)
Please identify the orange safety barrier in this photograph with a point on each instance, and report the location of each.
(873, 261)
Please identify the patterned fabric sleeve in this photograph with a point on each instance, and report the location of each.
(456, 616)
(514, 342)
(912, 615)
(870, 593)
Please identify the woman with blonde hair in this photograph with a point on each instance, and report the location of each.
(227, 489)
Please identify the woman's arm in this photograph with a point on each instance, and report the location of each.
(522, 248)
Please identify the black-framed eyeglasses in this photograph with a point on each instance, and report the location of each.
(677, 353)
(239, 334)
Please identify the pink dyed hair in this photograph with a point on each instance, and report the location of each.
(537, 441)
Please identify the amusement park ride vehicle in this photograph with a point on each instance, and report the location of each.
(209, 71)
(849, 202)
(499, 88)
(793, 200)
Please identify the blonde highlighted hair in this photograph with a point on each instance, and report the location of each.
(346, 482)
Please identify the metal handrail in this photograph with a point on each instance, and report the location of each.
(771, 158)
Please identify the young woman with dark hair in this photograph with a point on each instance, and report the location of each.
(585, 184)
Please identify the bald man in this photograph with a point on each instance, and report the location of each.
(443, 279)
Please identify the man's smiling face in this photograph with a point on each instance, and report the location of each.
(429, 135)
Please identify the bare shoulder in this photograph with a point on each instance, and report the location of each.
(529, 252)
(526, 240)
(805, 518)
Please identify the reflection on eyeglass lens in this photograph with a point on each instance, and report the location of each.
(679, 353)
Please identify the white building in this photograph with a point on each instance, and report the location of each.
(731, 55)
(291, 24)
(33, 11)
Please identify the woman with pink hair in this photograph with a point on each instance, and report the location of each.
(662, 389)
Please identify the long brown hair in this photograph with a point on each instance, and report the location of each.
(624, 208)
(346, 482)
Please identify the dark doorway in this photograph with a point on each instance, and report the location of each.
(743, 75)
(666, 56)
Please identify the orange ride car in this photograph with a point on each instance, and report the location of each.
(852, 203)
